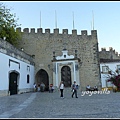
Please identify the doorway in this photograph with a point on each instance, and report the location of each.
(66, 76)
(13, 76)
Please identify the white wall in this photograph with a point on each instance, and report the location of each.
(5, 69)
(113, 67)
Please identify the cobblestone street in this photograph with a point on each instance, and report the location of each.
(50, 105)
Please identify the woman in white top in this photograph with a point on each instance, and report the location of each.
(61, 87)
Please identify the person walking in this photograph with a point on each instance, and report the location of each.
(74, 89)
(42, 87)
(34, 85)
(38, 88)
(51, 89)
(61, 87)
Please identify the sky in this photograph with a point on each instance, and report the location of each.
(103, 16)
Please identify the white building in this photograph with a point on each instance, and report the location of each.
(16, 70)
(108, 65)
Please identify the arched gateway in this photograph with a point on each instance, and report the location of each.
(65, 68)
(42, 76)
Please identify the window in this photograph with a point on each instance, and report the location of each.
(105, 69)
(118, 68)
(28, 78)
(28, 68)
(64, 56)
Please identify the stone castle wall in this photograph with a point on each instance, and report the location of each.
(10, 50)
(111, 54)
(41, 45)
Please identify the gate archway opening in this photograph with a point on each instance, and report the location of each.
(42, 76)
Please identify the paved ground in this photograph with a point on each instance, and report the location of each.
(50, 105)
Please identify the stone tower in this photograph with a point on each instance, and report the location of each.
(63, 56)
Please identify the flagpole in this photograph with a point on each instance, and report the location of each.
(55, 19)
(93, 20)
(91, 25)
(40, 19)
(73, 20)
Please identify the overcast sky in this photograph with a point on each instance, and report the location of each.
(102, 16)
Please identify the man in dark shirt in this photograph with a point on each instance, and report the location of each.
(74, 89)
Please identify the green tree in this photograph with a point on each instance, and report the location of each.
(8, 25)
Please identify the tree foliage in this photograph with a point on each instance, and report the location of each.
(8, 25)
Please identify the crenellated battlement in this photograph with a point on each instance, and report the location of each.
(103, 49)
(56, 31)
(111, 50)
